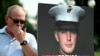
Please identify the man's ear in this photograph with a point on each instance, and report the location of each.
(6, 19)
(56, 36)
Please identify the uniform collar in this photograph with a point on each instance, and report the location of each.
(3, 30)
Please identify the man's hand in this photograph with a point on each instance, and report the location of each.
(19, 33)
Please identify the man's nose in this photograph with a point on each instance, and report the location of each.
(68, 36)
(18, 24)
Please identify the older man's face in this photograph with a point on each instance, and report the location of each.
(17, 18)
(67, 41)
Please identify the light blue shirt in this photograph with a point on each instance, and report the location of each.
(11, 47)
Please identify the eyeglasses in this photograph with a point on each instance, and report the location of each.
(17, 21)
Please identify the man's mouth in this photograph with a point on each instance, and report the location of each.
(68, 45)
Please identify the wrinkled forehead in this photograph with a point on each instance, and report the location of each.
(18, 12)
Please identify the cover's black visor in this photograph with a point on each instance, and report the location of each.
(67, 26)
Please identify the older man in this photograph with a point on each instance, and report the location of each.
(13, 40)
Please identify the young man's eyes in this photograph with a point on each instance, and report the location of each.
(74, 32)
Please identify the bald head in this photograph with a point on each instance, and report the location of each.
(15, 9)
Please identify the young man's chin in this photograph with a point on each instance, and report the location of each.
(68, 51)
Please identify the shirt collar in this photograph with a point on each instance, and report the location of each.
(3, 30)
